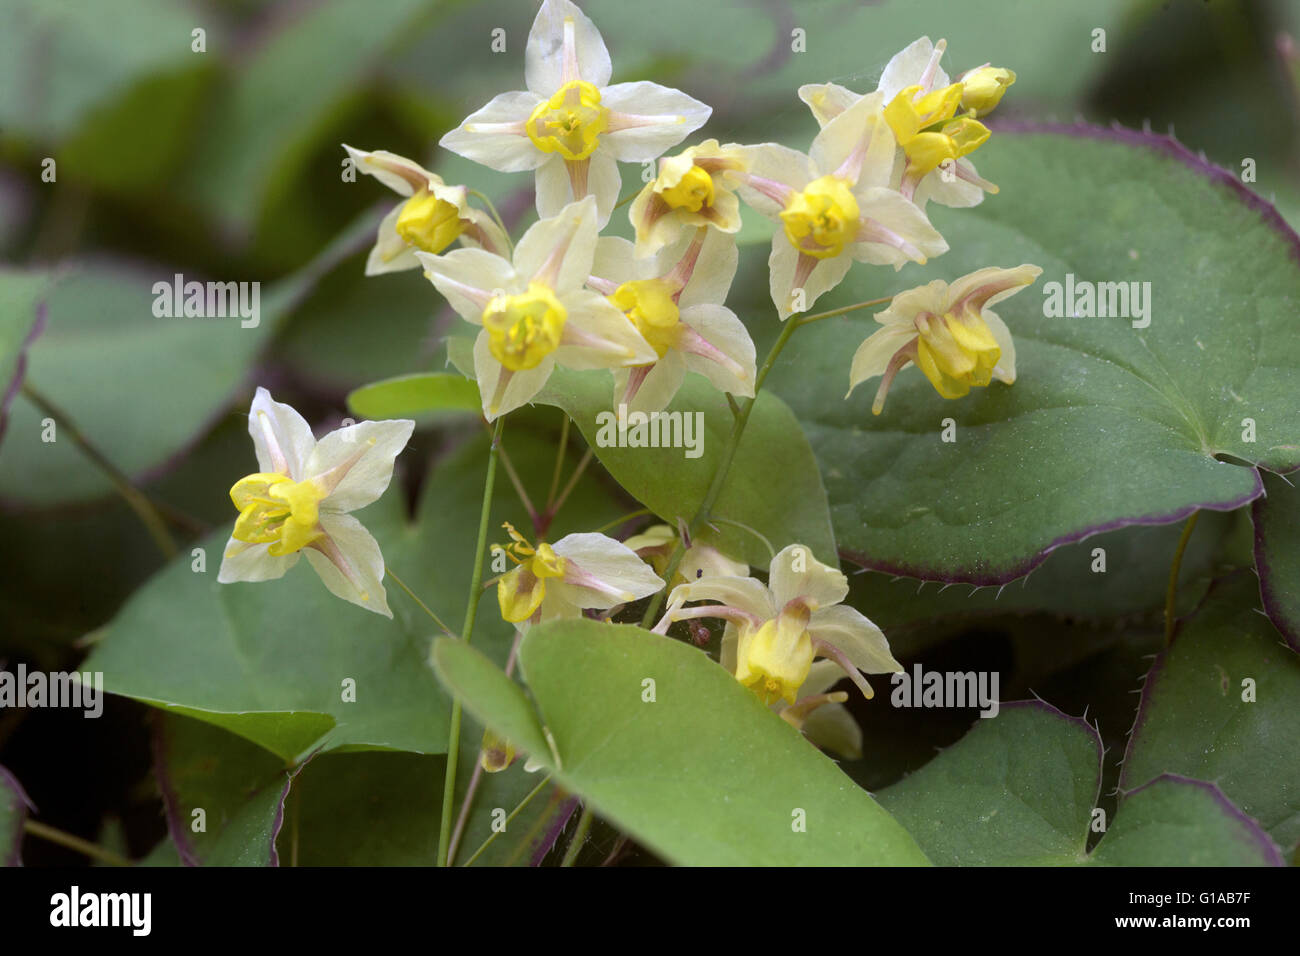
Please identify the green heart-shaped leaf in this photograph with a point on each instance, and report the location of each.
(1220, 704)
(1109, 423)
(668, 746)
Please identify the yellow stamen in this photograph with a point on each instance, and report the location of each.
(429, 223)
(913, 117)
(956, 351)
(649, 305)
(276, 510)
(774, 659)
(692, 192)
(523, 329)
(822, 219)
(570, 122)
(521, 591)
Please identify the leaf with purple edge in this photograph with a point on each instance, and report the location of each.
(1020, 789)
(1220, 705)
(100, 334)
(14, 808)
(1176, 821)
(1108, 424)
(1276, 515)
(223, 796)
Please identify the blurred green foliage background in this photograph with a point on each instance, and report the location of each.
(226, 164)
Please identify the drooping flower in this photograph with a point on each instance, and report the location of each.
(835, 206)
(656, 545)
(570, 125)
(920, 104)
(579, 571)
(778, 629)
(534, 311)
(433, 217)
(690, 191)
(818, 712)
(298, 500)
(674, 301)
(949, 332)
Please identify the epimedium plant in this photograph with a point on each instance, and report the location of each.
(601, 629)
(650, 310)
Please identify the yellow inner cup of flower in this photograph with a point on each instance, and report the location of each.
(650, 307)
(525, 328)
(570, 122)
(276, 510)
(822, 218)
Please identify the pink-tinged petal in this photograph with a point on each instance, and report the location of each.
(495, 137)
(646, 119)
(909, 67)
(615, 262)
(604, 182)
(348, 560)
(1005, 370)
(241, 561)
(558, 251)
(560, 182)
(774, 173)
(987, 287)
(502, 390)
(894, 231)
(390, 253)
(718, 347)
(874, 355)
(960, 189)
(795, 574)
(405, 177)
(789, 270)
(600, 572)
(469, 278)
(557, 50)
(713, 271)
(598, 335)
(857, 141)
(827, 100)
(904, 307)
(745, 594)
(355, 463)
(281, 437)
(655, 385)
(854, 634)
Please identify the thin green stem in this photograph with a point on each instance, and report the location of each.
(477, 778)
(513, 813)
(818, 316)
(627, 199)
(495, 215)
(533, 514)
(754, 531)
(1171, 593)
(623, 519)
(724, 466)
(423, 607)
(559, 461)
(471, 611)
(85, 847)
(134, 497)
(572, 483)
(579, 837)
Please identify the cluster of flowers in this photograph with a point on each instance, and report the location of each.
(651, 310)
